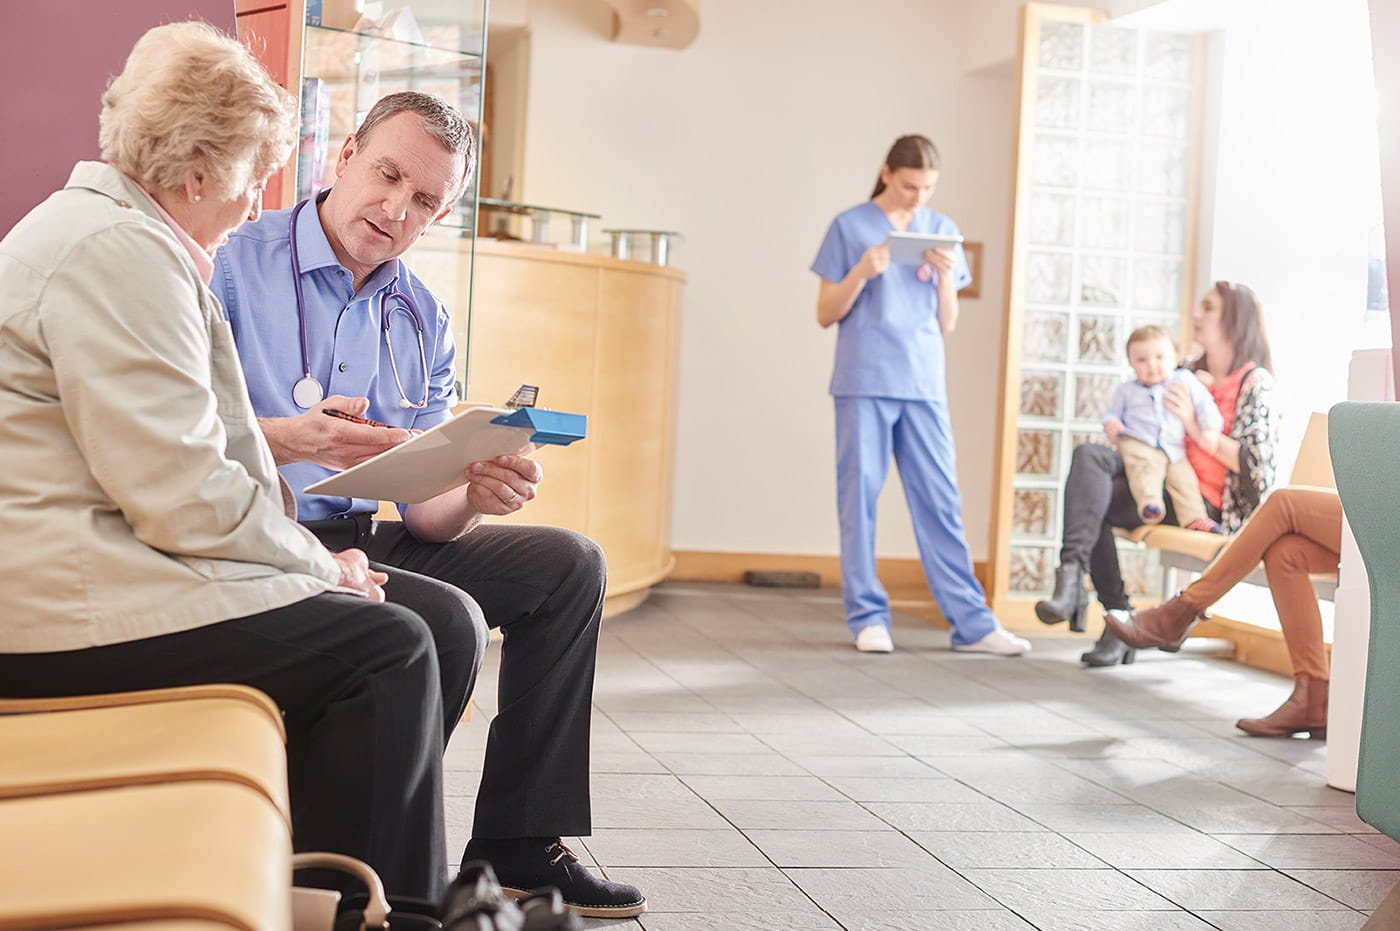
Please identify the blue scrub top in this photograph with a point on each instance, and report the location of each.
(345, 342)
(890, 344)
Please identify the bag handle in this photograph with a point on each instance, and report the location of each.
(377, 908)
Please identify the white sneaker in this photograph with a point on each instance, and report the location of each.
(1000, 641)
(875, 639)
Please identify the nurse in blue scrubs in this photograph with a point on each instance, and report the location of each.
(891, 399)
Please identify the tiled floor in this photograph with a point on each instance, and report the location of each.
(752, 771)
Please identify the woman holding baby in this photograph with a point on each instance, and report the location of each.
(1234, 468)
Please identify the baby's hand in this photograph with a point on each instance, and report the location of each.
(1112, 428)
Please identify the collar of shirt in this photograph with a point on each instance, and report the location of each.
(203, 263)
(314, 252)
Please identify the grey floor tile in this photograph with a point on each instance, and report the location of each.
(1361, 889)
(736, 764)
(774, 788)
(1171, 851)
(1248, 890)
(683, 813)
(1257, 818)
(652, 847)
(836, 767)
(834, 849)
(705, 921)
(1066, 890)
(1341, 817)
(929, 888)
(941, 816)
(658, 743)
(1311, 851)
(871, 919)
(1103, 819)
(762, 814)
(933, 748)
(639, 785)
(675, 722)
(1089, 918)
(817, 743)
(1006, 850)
(721, 893)
(1283, 921)
(624, 761)
(930, 788)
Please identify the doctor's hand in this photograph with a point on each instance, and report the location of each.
(874, 262)
(329, 441)
(502, 485)
(356, 575)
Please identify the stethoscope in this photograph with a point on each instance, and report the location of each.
(308, 392)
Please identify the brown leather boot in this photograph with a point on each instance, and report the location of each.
(1165, 626)
(1305, 710)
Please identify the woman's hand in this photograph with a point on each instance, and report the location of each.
(1177, 399)
(873, 263)
(942, 260)
(356, 575)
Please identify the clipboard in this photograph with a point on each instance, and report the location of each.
(435, 460)
(909, 248)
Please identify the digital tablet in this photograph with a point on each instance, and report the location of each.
(909, 248)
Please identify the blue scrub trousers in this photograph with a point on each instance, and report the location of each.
(917, 433)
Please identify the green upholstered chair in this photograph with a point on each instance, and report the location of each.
(1364, 439)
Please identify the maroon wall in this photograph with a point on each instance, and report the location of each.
(56, 57)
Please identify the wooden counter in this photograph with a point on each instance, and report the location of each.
(599, 336)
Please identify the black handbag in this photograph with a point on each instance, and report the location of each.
(475, 902)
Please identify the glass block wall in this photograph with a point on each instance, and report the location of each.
(1106, 243)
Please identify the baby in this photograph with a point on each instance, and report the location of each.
(1151, 439)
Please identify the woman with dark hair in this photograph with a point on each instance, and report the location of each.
(1234, 472)
(891, 399)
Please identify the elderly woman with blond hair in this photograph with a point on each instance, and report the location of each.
(146, 537)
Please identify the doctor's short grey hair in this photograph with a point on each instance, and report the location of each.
(192, 101)
(438, 118)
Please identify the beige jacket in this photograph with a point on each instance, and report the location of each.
(137, 495)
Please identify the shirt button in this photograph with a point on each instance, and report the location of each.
(343, 366)
(340, 272)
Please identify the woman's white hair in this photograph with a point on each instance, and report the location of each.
(193, 102)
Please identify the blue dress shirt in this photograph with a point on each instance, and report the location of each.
(346, 349)
(890, 345)
(1146, 418)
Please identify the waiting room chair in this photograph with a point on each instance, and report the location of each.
(1363, 440)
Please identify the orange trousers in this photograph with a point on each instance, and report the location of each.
(1296, 531)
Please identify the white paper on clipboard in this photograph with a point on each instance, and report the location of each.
(432, 462)
(909, 248)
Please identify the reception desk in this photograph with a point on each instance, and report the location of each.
(599, 336)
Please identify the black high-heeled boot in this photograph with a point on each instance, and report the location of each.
(1108, 651)
(1070, 601)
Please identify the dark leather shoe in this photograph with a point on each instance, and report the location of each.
(530, 863)
(1108, 650)
(1166, 626)
(1070, 601)
(1304, 712)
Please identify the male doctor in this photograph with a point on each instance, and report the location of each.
(326, 316)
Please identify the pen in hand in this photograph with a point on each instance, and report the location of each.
(330, 412)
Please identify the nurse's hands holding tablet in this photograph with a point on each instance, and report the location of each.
(942, 260)
(874, 262)
(329, 441)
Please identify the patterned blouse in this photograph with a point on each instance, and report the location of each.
(1256, 430)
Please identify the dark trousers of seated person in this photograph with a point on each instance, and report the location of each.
(1097, 499)
(543, 587)
(357, 683)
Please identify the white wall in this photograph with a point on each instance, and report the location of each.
(749, 142)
